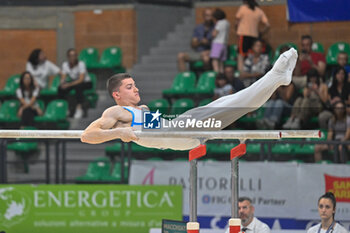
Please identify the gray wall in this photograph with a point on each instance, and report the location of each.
(154, 22)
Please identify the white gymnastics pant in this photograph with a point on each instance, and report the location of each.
(229, 108)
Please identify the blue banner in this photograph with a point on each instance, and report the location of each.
(318, 10)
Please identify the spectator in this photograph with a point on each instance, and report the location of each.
(338, 129)
(307, 60)
(27, 94)
(74, 77)
(254, 66)
(326, 209)
(248, 18)
(41, 68)
(311, 104)
(201, 42)
(222, 86)
(236, 83)
(339, 90)
(342, 61)
(250, 224)
(220, 39)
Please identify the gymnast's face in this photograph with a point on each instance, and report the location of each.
(127, 94)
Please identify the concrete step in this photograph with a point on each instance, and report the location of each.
(155, 67)
(158, 59)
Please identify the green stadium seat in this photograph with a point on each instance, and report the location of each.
(51, 91)
(8, 113)
(205, 84)
(11, 85)
(222, 148)
(90, 57)
(317, 47)
(181, 105)
(295, 161)
(23, 149)
(111, 58)
(182, 83)
(277, 51)
(333, 51)
(159, 104)
(255, 148)
(205, 102)
(55, 111)
(197, 65)
(97, 171)
(282, 149)
(231, 56)
(116, 174)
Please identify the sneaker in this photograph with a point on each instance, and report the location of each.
(288, 124)
(295, 124)
(270, 124)
(78, 113)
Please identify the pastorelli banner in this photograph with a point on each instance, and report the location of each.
(278, 190)
(87, 208)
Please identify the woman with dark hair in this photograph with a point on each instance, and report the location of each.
(340, 86)
(326, 209)
(338, 129)
(74, 77)
(248, 18)
(27, 93)
(41, 68)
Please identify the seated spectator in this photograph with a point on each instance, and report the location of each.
(342, 61)
(311, 104)
(307, 60)
(254, 66)
(221, 32)
(222, 86)
(41, 68)
(338, 129)
(339, 90)
(236, 83)
(201, 43)
(27, 94)
(74, 77)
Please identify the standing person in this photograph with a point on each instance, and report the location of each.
(41, 68)
(219, 45)
(326, 209)
(200, 43)
(121, 120)
(250, 224)
(27, 94)
(74, 77)
(248, 18)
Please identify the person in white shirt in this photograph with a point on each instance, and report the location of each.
(74, 77)
(326, 209)
(220, 33)
(27, 94)
(41, 68)
(250, 224)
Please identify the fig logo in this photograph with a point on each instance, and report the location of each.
(149, 177)
(339, 186)
(14, 206)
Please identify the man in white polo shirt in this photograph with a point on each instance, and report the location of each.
(250, 224)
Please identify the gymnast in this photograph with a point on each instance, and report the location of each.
(120, 121)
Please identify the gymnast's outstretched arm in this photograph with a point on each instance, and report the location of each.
(101, 130)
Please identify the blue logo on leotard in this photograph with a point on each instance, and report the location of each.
(152, 120)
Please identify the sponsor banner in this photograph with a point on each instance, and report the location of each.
(87, 208)
(277, 189)
(316, 179)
